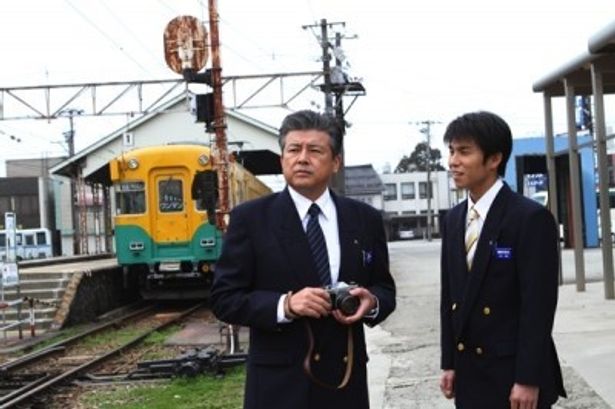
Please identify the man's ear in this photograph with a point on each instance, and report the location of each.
(337, 162)
(493, 161)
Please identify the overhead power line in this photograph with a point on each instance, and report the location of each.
(107, 36)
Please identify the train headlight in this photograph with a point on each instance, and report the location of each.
(203, 160)
(133, 164)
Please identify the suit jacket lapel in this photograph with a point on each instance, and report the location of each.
(294, 242)
(349, 239)
(459, 245)
(484, 250)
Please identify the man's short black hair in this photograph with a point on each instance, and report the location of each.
(490, 132)
(306, 120)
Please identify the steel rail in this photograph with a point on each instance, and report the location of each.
(61, 345)
(72, 372)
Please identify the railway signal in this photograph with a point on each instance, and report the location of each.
(186, 53)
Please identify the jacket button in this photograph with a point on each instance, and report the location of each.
(454, 306)
(479, 351)
(345, 359)
(460, 347)
(316, 357)
(486, 311)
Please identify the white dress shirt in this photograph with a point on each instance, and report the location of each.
(483, 204)
(328, 223)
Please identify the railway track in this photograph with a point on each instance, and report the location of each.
(35, 374)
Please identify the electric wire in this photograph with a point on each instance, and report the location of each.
(107, 36)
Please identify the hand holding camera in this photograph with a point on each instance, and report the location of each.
(355, 298)
(346, 302)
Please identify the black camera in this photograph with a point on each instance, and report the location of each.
(342, 300)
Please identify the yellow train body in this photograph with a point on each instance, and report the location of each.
(165, 201)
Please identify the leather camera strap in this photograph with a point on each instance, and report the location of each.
(308, 359)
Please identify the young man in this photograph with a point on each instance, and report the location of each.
(499, 268)
(279, 254)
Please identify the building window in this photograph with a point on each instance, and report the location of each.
(407, 191)
(423, 189)
(390, 191)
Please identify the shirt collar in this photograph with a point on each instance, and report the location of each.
(483, 204)
(302, 203)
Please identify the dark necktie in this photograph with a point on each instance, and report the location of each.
(316, 239)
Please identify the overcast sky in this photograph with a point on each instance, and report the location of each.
(427, 60)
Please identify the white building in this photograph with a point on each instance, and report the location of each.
(406, 203)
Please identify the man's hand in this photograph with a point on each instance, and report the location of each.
(447, 384)
(523, 397)
(310, 302)
(367, 303)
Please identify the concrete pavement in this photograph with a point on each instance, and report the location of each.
(404, 351)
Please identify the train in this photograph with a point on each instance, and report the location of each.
(30, 244)
(164, 201)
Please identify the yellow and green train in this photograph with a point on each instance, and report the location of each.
(164, 205)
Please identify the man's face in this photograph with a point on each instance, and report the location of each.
(469, 168)
(308, 162)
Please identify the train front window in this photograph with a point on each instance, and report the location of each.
(170, 195)
(41, 238)
(130, 198)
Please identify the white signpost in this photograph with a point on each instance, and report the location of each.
(10, 274)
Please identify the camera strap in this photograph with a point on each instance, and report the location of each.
(307, 366)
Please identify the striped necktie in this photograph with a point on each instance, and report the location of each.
(316, 239)
(471, 236)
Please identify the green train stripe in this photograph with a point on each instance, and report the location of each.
(135, 246)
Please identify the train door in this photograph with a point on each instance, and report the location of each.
(170, 218)
(29, 247)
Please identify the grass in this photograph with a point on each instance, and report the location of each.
(202, 392)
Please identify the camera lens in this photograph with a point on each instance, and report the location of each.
(348, 305)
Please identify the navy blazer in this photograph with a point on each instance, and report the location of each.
(497, 319)
(266, 254)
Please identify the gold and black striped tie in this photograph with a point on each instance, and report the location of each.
(471, 236)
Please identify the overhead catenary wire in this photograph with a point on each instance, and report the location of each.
(107, 36)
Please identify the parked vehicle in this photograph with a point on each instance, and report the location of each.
(29, 244)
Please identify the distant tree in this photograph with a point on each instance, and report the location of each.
(417, 161)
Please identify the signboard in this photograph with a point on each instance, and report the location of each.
(185, 44)
(10, 274)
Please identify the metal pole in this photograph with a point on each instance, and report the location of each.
(219, 123)
(551, 171)
(575, 187)
(326, 66)
(603, 182)
(339, 179)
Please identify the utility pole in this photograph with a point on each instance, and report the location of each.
(426, 130)
(69, 136)
(335, 89)
(219, 122)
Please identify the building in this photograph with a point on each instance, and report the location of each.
(362, 183)
(526, 173)
(406, 205)
(252, 140)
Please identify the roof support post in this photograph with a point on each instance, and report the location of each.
(603, 182)
(575, 187)
(551, 171)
